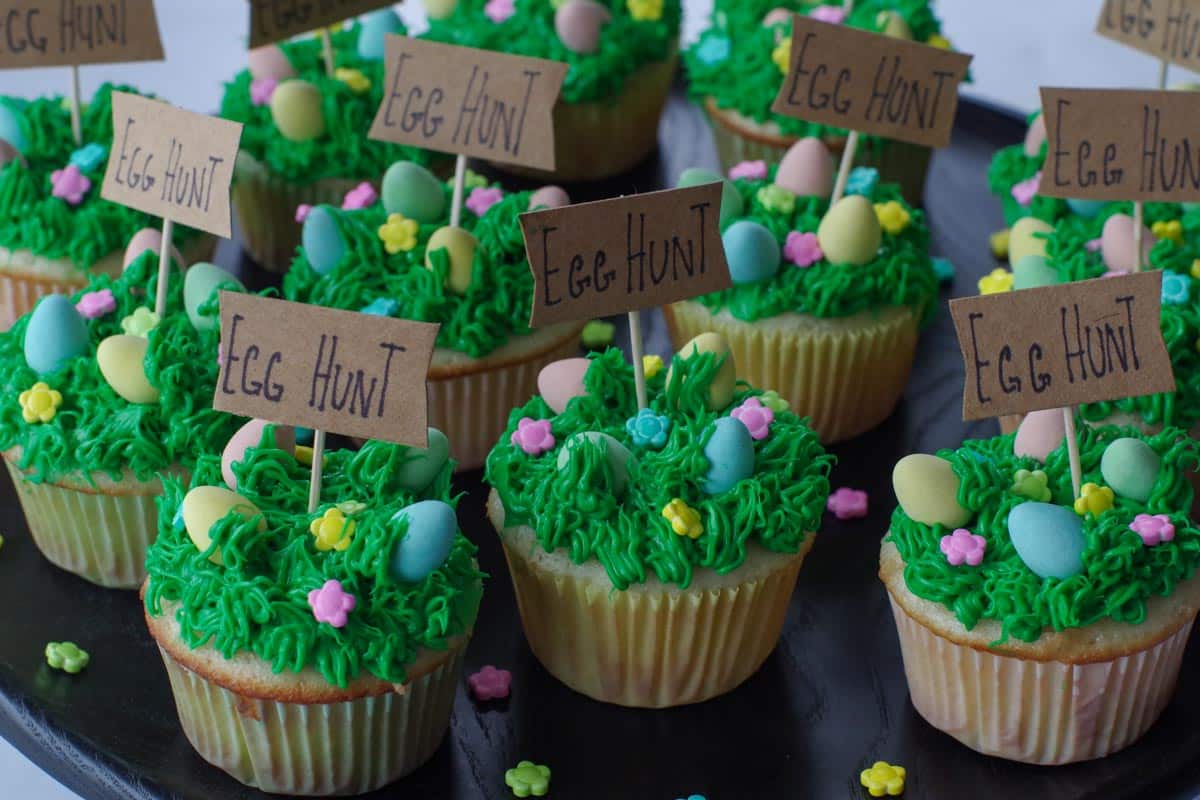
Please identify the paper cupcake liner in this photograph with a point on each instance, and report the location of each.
(338, 748)
(846, 379)
(1038, 712)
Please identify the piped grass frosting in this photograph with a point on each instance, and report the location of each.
(1012, 177)
(258, 598)
(639, 504)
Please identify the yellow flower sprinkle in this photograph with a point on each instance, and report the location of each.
(1168, 229)
(651, 365)
(645, 10)
(938, 41)
(684, 519)
(883, 778)
(39, 403)
(893, 217)
(995, 282)
(140, 322)
(332, 530)
(1093, 498)
(353, 78)
(398, 234)
(782, 54)
(999, 243)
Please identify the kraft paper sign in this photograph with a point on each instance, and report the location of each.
(1118, 144)
(625, 254)
(1062, 345)
(472, 102)
(171, 163)
(49, 33)
(355, 374)
(1165, 29)
(872, 83)
(276, 20)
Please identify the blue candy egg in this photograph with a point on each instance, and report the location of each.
(322, 240)
(427, 543)
(731, 199)
(752, 252)
(56, 334)
(1048, 538)
(730, 454)
(10, 127)
(1086, 208)
(373, 30)
(304, 436)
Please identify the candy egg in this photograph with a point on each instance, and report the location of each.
(806, 168)
(411, 190)
(11, 129)
(720, 391)
(927, 489)
(460, 245)
(731, 199)
(1048, 538)
(427, 542)
(8, 154)
(251, 435)
(296, 109)
(373, 31)
(560, 382)
(199, 283)
(850, 233)
(1040, 434)
(270, 62)
(205, 506)
(578, 24)
(1086, 208)
(1130, 468)
(422, 465)
(776, 16)
(752, 252)
(549, 197)
(440, 9)
(1116, 243)
(147, 239)
(730, 454)
(1035, 136)
(322, 240)
(892, 24)
(56, 334)
(617, 454)
(1033, 271)
(1027, 238)
(121, 359)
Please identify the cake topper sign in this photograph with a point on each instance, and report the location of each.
(53, 33)
(276, 20)
(1165, 29)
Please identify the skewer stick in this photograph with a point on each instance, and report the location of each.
(635, 345)
(1139, 216)
(1073, 449)
(164, 267)
(843, 175)
(327, 46)
(314, 482)
(456, 200)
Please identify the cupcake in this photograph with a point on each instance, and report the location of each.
(654, 551)
(737, 66)
(305, 136)
(312, 653)
(827, 302)
(56, 232)
(99, 400)
(621, 57)
(1034, 627)
(397, 256)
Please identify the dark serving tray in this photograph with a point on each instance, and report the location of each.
(829, 701)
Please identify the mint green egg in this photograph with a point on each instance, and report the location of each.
(199, 283)
(731, 199)
(1033, 271)
(413, 191)
(1130, 468)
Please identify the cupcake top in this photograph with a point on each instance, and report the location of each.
(740, 61)
(95, 384)
(378, 573)
(993, 534)
(603, 42)
(688, 483)
(50, 200)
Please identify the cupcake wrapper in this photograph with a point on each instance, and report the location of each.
(341, 748)
(845, 382)
(1038, 712)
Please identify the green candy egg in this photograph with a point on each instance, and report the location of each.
(199, 283)
(731, 199)
(413, 191)
(296, 109)
(422, 465)
(1130, 468)
(1033, 271)
(617, 454)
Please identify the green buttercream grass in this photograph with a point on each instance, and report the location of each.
(257, 601)
(626, 44)
(575, 509)
(95, 430)
(1120, 573)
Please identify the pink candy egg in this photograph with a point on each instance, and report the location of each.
(807, 168)
(560, 381)
(9, 153)
(1116, 243)
(247, 436)
(776, 16)
(1035, 136)
(148, 239)
(549, 197)
(1040, 433)
(578, 24)
(270, 62)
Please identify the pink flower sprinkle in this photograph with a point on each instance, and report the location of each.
(331, 603)
(962, 545)
(750, 170)
(1153, 528)
(1024, 191)
(755, 416)
(490, 683)
(802, 249)
(834, 15)
(1092, 245)
(533, 436)
(220, 354)
(302, 212)
(847, 503)
(482, 198)
(96, 304)
(70, 184)
(499, 10)
(261, 90)
(360, 196)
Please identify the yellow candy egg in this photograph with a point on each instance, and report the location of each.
(440, 9)
(927, 489)
(296, 109)
(204, 506)
(850, 232)
(1022, 240)
(720, 391)
(892, 24)
(460, 246)
(121, 359)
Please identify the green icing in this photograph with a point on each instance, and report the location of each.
(258, 600)
(626, 44)
(575, 509)
(1120, 573)
(95, 430)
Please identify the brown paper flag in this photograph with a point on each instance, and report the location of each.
(50, 33)
(1166, 29)
(276, 20)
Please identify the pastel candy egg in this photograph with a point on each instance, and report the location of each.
(850, 233)
(1130, 468)
(121, 359)
(460, 245)
(147, 239)
(731, 198)
(199, 283)
(1048, 538)
(892, 24)
(1086, 208)
(427, 542)
(440, 9)
(1040, 433)
(56, 334)
(806, 168)
(578, 24)
(422, 465)
(1116, 243)
(205, 506)
(927, 489)
(730, 454)
(1035, 136)
(1027, 238)
(560, 382)
(373, 31)
(776, 16)
(270, 62)
(617, 454)
(752, 252)
(720, 391)
(296, 109)
(10, 128)
(251, 435)
(8, 154)
(549, 197)
(1033, 271)
(322, 240)
(411, 190)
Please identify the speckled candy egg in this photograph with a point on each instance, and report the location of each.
(148, 239)
(8, 154)
(459, 244)
(1048, 538)
(1027, 238)
(250, 435)
(322, 240)
(730, 454)
(121, 359)
(204, 506)
(422, 464)
(1130, 468)
(806, 168)
(199, 283)
(850, 233)
(927, 489)
(270, 62)
(731, 199)
(1033, 271)
(440, 9)
(56, 334)
(560, 382)
(11, 130)
(1040, 433)
(720, 392)
(1086, 208)
(1035, 136)
(892, 23)
(296, 109)
(427, 542)
(549, 197)
(752, 252)
(411, 190)
(617, 454)
(373, 31)
(1116, 243)
(578, 24)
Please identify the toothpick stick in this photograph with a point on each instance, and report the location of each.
(839, 186)
(327, 46)
(76, 124)
(1138, 223)
(1073, 449)
(164, 267)
(639, 370)
(1162, 74)
(849, 6)
(314, 481)
(456, 200)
